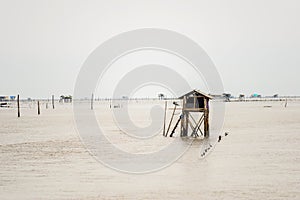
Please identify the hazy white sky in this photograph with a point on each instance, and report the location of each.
(254, 44)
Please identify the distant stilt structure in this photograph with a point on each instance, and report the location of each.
(92, 101)
(39, 110)
(53, 102)
(18, 104)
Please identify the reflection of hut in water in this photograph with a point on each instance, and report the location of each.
(195, 114)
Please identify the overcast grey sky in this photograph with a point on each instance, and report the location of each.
(254, 44)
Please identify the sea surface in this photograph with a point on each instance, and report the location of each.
(42, 157)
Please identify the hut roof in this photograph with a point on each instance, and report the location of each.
(198, 93)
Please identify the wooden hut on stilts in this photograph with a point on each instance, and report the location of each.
(195, 114)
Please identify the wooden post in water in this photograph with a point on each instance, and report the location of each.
(166, 104)
(39, 110)
(92, 101)
(173, 131)
(171, 121)
(53, 101)
(184, 121)
(285, 105)
(206, 118)
(18, 103)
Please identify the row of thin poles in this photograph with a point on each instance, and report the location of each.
(53, 105)
(38, 104)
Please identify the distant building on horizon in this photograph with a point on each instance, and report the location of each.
(255, 95)
(242, 97)
(7, 98)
